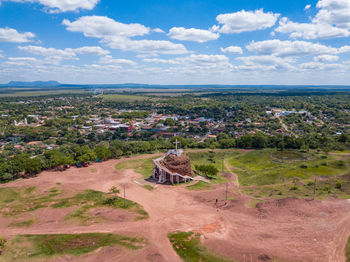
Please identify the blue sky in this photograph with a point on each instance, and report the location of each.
(176, 42)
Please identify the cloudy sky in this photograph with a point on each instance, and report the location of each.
(176, 42)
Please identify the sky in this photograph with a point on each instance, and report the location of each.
(299, 42)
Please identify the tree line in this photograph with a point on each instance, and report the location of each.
(25, 165)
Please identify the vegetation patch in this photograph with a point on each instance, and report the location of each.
(24, 247)
(90, 199)
(187, 245)
(347, 251)
(124, 98)
(149, 187)
(16, 201)
(269, 174)
(263, 167)
(200, 185)
(24, 223)
(141, 166)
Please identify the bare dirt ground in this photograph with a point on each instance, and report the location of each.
(287, 229)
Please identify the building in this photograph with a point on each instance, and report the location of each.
(172, 168)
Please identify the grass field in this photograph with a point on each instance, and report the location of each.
(265, 167)
(14, 202)
(187, 245)
(200, 185)
(32, 247)
(141, 166)
(124, 98)
(270, 173)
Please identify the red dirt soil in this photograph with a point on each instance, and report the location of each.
(287, 229)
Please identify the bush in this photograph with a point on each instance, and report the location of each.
(2, 242)
(303, 166)
(338, 185)
(294, 188)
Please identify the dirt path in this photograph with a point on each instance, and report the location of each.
(291, 229)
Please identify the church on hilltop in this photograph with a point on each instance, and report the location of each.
(172, 168)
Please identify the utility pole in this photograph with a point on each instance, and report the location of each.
(223, 163)
(315, 188)
(124, 194)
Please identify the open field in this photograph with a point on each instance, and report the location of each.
(54, 245)
(178, 224)
(124, 98)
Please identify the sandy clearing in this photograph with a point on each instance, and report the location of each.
(294, 230)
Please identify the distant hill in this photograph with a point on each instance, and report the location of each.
(33, 84)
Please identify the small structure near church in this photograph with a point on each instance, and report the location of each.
(174, 167)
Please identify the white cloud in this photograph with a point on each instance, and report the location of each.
(53, 52)
(91, 50)
(332, 20)
(245, 21)
(310, 30)
(22, 61)
(270, 62)
(55, 6)
(12, 35)
(323, 67)
(105, 27)
(326, 58)
(335, 12)
(118, 35)
(158, 30)
(289, 48)
(232, 49)
(307, 7)
(192, 34)
(111, 60)
(194, 63)
(150, 47)
(55, 55)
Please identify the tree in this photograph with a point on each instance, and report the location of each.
(102, 152)
(114, 191)
(169, 122)
(209, 171)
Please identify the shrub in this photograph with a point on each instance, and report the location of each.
(2, 242)
(338, 185)
(310, 183)
(303, 166)
(294, 188)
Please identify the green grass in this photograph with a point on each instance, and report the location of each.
(24, 223)
(266, 167)
(90, 199)
(149, 187)
(15, 202)
(214, 158)
(347, 251)
(31, 247)
(187, 245)
(124, 98)
(200, 185)
(274, 174)
(141, 166)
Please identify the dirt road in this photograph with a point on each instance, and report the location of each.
(289, 229)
